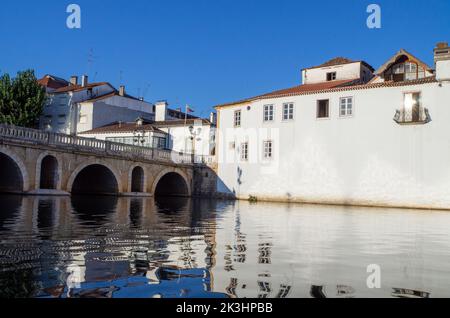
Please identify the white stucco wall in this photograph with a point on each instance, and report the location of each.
(363, 159)
(343, 72)
(180, 139)
(60, 104)
(100, 113)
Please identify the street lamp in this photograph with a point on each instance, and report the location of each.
(138, 137)
(194, 134)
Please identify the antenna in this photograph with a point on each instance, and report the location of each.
(91, 59)
(144, 93)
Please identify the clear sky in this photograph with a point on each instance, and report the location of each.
(206, 52)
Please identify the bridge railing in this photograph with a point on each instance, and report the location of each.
(27, 135)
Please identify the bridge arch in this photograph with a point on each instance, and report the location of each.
(171, 182)
(48, 172)
(137, 179)
(94, 178)
(13, 173)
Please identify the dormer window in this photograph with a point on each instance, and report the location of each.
(404, 70)
(331, 76)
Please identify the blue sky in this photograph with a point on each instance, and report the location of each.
(206, 52)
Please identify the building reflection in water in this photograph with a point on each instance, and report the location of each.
(142, 247)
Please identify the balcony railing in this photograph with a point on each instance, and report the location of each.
(419, 115)
(39, 137)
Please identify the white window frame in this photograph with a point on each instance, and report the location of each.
(244, 151)
(268, 110)
(288, 111)
(237, 118)
(267, 149)
(352, 103)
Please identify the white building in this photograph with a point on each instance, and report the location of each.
(346, 136)
(190, 135)
(75, 108)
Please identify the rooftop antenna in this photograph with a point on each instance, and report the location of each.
(144, 93)
(91, 59)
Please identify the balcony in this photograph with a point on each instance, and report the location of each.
(412, 116)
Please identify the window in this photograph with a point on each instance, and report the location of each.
(268, 112)
(346, 107)
(83, 119)
(404, 71)
(244, 151)
(331, 76)
(323, 108)
(237, 118)
(412, 107)
(159, 142)
(63, 100)
(268, 149)
(288, 111)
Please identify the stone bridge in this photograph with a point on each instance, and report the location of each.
(38, 162)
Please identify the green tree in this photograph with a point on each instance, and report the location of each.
(21, 99)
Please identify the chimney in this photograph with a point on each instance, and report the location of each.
(212, 118)
(84, 80)
(122, 90)
(161, 110)
(74, 80)
(442, 61)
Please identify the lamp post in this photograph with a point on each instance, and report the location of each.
(139, 137)
(194, 134)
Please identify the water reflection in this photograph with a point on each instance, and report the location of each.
(137, 247)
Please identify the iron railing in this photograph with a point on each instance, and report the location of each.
(419, 115)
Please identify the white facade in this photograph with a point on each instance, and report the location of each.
(363, 158)
(74, 109)
(181, 136)
(144, 138)
(59, 113)
(93, 114)
(355, 70)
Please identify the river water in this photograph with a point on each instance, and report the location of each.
(139, 247)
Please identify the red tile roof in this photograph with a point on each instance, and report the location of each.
(51, 81)
(112, 94)
(121, 127)
(340, 61)
(76, 88)
(337, 87)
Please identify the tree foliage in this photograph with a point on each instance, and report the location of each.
(21, 99)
